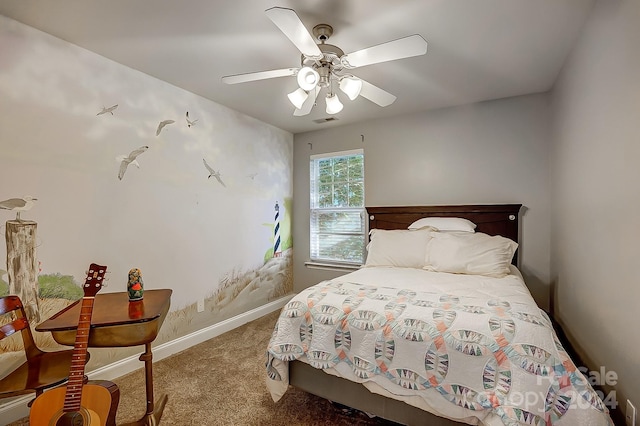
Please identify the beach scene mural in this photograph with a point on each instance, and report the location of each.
(125, 170)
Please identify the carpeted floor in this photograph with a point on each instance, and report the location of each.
(222, 382)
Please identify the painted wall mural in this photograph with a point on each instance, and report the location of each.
(131, 172)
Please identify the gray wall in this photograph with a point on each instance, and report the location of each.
(596, 197)
(205, 241)
(490, 152)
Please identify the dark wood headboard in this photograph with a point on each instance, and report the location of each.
(492, 219)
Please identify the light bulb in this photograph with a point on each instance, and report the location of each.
(307, 78)
(351, 86)
(297, 97)
(334, 105)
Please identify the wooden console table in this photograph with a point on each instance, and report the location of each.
(118, 323)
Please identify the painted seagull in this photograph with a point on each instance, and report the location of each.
(191, 122)
(18, 205)
(125, 160)
(108, 110)
(213, 173)
(162, 124)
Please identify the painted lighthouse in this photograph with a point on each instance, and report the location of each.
(277, 250)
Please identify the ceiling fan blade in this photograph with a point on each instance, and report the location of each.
(376, 94)
(291, 25)
(260, 75)
(397, 49)
(308, 103)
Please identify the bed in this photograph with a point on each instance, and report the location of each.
(437, 328)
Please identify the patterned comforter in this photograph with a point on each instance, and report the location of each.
(470, 348)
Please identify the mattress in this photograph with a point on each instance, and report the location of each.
(470, 348)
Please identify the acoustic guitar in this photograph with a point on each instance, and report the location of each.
(79, 403)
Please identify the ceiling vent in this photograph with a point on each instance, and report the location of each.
(325, 120)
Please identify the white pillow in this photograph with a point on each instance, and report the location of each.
(467, 253)
(445, 224)
(402, 248)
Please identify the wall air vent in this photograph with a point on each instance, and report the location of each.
(325, 120)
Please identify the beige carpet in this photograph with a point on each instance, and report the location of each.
(222, 382)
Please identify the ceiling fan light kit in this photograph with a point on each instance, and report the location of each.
(323, 64)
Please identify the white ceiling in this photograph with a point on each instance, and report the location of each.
(478, 49)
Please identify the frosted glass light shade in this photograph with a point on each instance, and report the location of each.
(308, 78)
(334, 105)
(297, 97)
(351, 86)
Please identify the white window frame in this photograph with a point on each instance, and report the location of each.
(316, 259)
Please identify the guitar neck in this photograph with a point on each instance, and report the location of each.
(73, 396)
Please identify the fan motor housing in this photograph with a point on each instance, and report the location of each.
(328, 64)
(330, 50)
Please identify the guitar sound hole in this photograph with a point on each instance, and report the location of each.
(70, 419)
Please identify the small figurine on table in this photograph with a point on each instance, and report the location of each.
(135, 286)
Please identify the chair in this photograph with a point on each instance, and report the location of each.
(41, 370)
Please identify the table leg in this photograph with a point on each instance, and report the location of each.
(153, 414)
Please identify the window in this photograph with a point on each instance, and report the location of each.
(337, 207)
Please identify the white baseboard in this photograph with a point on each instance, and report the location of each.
(17, 408)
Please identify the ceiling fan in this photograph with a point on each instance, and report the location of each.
(324, 66)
